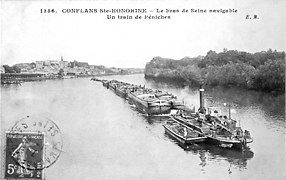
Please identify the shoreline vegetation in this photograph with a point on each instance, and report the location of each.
(18, 78)
(262, 71)
(58, 69)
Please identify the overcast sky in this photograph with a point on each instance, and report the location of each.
(27, 35)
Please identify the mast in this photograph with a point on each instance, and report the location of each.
(202, 108)
(229, 111)
(229, 114)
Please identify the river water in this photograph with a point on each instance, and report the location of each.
(105, 138)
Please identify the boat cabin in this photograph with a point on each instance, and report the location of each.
(213, 115)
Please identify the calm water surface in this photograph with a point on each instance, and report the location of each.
(105, 138)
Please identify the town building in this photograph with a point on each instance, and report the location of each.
(2, 69)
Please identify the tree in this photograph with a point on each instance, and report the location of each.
(8, 69)
(61, 72)
(271, 75)
(16, 69)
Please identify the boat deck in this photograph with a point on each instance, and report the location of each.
(192, 122)
(183, 133)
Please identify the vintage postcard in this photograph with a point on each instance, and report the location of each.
(142, 89)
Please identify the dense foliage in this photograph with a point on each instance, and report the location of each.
(262, 70)
(13, 69)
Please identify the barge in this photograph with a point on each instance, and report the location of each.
(182, 133)
(148, 103)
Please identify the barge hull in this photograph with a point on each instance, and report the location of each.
(226, 144)
(183, 140)
(149, 108)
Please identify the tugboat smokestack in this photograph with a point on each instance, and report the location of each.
(202, 108)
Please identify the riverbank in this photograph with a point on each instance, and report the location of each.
(262, 71)
(18, 78)
(179, 82)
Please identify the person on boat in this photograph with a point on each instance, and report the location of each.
(213, 122)
(225, 123)
(213, 132)
(208, 118)
(239, 133)
(218, 130)
(185, 132)
(201, 117)
(246, 134)
(215, 114)
(179, 113)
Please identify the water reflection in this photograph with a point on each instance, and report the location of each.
(156, 119)
(9, 86)
(91, 117)
(263, 114)
(163, 82)
(208, 152)
(272, 104)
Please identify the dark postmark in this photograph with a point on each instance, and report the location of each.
(33, 143)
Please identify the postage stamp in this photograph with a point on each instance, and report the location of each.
(32, 144)
(53, 139)
(24, 155)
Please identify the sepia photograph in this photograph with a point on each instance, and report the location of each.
(142, 89)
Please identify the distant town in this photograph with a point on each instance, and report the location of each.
(57, 69)
(64, 68)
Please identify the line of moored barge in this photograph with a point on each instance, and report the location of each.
(187, 128)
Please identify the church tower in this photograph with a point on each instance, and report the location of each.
(62, 62)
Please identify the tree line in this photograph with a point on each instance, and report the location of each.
(11, 69)
(263, 70)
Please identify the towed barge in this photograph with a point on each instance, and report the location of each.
(149, 104)
(201, 126)
(147, 101)
(172, 99)
(219, 130)
(227, 134)
(217, 134)
(183, 134)
(122, 91)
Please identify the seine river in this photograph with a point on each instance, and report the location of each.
(105, 138)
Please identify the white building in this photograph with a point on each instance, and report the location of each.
(2, 69)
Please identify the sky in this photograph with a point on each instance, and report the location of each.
(28, 35)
